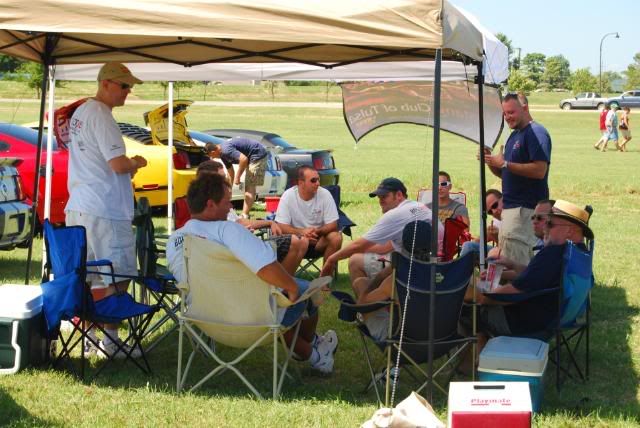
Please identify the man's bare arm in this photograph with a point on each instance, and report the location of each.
(275, 275)
(242, 166)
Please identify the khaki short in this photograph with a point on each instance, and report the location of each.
(254, 175)
(516, 238)
(107, 239)
(626, 133)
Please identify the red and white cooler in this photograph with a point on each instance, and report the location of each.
(489, 405)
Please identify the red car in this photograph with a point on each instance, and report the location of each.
(21, 142)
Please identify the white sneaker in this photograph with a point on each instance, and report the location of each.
(327, 343)
(111, 348)
(325, 364)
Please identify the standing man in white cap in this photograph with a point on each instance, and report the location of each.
(99, 183)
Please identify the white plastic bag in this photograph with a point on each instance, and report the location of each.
(414, 411)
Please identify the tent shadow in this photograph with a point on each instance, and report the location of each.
(15, 415)
(612, 319)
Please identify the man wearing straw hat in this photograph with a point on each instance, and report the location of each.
(567, 222)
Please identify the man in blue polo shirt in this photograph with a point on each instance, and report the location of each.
(524, 169)
(251, 156)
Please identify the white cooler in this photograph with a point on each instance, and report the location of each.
(22, 328)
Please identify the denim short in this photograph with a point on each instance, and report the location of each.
(294, 312)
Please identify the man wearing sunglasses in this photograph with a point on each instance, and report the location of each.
(524, 169)
(539, 221)
(566, 222)
(99, 183)
(447, 207)
(309, 211)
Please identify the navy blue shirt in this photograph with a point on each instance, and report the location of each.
(231, 150)
(543, 271)
(532, 143)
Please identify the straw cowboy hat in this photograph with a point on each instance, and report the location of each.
(574, 214)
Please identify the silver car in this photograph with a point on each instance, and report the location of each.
(584, 100)
(627, 99)
(15, 212)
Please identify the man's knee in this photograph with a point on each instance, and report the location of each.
(356, 263)
(335, 239)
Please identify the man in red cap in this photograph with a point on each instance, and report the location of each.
(99, 183)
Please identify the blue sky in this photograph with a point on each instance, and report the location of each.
(572, 28)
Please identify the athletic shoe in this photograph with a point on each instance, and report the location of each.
(327, 343)
(90, 349)
(112, 348)
(325, 364)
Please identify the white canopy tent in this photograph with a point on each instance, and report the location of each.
(327, 35)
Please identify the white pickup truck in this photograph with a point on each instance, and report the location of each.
(584, 100)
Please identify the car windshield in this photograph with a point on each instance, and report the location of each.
(280, 142)
(27, 135)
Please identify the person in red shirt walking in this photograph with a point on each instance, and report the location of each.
(603, 128)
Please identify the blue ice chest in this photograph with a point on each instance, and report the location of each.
(515, 359)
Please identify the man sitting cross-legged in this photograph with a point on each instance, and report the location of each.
(209, 199)
(309, 210)
(567, 222)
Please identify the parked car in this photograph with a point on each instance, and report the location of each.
(275, 178)
(290, 156)
(584, 100)
(15, 210)
(21, 142)
(627, 99)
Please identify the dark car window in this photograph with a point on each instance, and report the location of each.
(25, 134)
(4, 147)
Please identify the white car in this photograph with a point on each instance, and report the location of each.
(15, 211)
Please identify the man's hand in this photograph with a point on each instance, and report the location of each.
(140, 161)
(487, 152)
(311, 233)
(495, 161)
(492, 233)
(329, 266)
(275, 229)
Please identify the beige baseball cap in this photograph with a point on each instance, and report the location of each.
(118, 72)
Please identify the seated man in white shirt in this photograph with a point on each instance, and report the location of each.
(209, 199)
(386, 235)
(309, 210)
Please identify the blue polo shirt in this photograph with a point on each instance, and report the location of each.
(231, 150)
(532, 143)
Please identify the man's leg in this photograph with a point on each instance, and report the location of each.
(329, 244)
(253, 177)
(356, 267)
(297, 249)
(516, 235)
(249, 198)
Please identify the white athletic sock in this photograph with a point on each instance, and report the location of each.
(110, 332)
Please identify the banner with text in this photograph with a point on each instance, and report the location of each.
(370, 105)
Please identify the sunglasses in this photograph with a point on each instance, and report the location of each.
(493, 207)
(539, 217)
(314, 179)
(551, 225)
(445, 183)
(123, 86)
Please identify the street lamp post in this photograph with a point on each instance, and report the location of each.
(602, 40)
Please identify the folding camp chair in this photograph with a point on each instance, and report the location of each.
(155, 279)
(571, 327)
(68, 297)
(224, 301)
(455, 231)
(311, 261)
(452, 279)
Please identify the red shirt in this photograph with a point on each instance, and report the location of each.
(603, 119)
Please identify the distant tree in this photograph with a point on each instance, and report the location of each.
(608, 77)
(514, 63)
(582, 80)
(177, 86)
(519, 81)
(533, 66)
(9, 64)
(633, 73)
(271, 86)
(32, 73)
(556, 71)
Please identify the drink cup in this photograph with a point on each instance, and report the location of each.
(494, 272)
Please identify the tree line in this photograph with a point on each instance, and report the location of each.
(546, 73)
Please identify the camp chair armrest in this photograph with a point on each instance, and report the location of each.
(349, 308)
(101, 262)
(520, 297)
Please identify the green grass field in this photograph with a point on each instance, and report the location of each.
(608, 181)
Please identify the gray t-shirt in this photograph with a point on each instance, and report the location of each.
(452, 210)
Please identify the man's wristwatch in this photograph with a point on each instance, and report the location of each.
(505, 165)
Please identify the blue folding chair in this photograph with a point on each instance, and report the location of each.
(452, 279)
(571, 327)
(68, 297)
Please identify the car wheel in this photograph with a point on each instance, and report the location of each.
(566, 106)
(600, 106)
